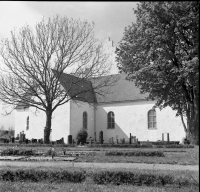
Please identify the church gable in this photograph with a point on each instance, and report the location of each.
(77, 88)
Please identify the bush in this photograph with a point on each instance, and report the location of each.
(34, 175)
(122, 177)
(10, 152)
(82, 136)
(161, 142)
(138, 179)
(135, 153)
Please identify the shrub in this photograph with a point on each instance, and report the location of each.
(161, 142)
(82, 136)
(137, 178)
(135, 153)
(122, 177)
(10, 152)
(42, 175)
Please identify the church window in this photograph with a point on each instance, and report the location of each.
(27, 123)
(111, 120)
(85, 120)
(152, 119)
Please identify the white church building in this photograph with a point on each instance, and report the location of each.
(121, 111)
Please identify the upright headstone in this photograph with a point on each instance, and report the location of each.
(101, 137)
(95, 138)
(116, 140)
(130, 139)
(90, 141)
(69, 139)
(167, 137)
(20, 137)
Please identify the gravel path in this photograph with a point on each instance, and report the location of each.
(99, 165)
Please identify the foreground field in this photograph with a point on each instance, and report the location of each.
(172, 156)
(182, 156)
(188, 182)
(87, 187)
(176, 156)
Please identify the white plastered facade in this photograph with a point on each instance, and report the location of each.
(130, 117)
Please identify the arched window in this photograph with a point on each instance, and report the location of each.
(111, 120)
(152, 119)
(27, 123)
(85, 120)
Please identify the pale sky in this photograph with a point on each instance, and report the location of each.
(110, 18)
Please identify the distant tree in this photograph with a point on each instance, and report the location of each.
(160, 52)
(62, 44)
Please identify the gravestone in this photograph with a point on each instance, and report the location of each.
(69, 139)
(101, 137)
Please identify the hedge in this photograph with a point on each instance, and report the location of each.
(99, 177)
(135, 153)
(124, 177)
(42, 175)
(18, 152)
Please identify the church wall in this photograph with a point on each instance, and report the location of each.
(37, 121)
(131, 117)
(6, 121)
(20, 120)
(76, 118)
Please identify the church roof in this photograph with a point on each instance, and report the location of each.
(77, 88)
(121, 90)
(116, 89)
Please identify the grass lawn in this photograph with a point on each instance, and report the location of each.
(172, 156)
(182, 156)
(87, 187)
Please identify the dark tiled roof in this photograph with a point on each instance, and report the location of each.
(77, 88)
(116, 89)
(120, 90)
(106, 89)
(22, 106)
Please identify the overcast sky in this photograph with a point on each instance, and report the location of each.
(110, 18)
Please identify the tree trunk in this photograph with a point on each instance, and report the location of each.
(193, 123)
(47, 127)
(184, 126)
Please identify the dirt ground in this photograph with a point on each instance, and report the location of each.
(60, 164)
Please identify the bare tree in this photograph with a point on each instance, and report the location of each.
(35, 62)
